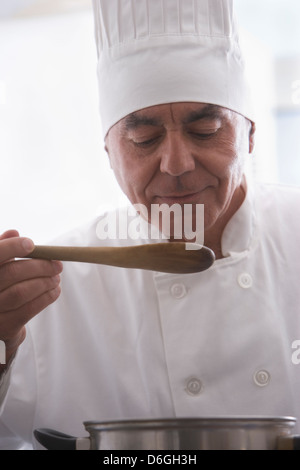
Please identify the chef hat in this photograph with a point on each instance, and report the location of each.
(153, 52)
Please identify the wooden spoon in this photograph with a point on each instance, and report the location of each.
(171, 257)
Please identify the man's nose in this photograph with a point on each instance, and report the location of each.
(176, 156)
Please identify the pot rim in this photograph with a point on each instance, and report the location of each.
(186, 422)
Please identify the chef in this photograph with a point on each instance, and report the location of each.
(89, 342)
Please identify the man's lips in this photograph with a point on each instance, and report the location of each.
(185, 198)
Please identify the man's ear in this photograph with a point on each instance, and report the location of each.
(107, 151)
(252, 136)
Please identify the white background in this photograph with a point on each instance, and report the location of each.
(54, 172)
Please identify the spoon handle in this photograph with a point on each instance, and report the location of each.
(97, 255)
(164, 257)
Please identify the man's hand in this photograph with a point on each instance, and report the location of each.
(26, 288)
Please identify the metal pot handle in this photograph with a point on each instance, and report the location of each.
(55, 440)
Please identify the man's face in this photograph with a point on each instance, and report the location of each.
(182, 153)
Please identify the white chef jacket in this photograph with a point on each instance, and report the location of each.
(121, 344)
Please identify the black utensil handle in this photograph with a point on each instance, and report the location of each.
(296, 442)
(55, 440)
(289, 442)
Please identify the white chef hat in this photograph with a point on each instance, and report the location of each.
(153, 52)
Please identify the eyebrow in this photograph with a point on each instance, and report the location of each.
(134, 120)
(210, 111)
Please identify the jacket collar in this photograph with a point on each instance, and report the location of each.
(239, 231)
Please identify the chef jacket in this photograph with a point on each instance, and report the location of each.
(128, 343)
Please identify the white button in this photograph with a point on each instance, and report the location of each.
(245, 280)
(178, 291)
(193, 386)
(262, 378)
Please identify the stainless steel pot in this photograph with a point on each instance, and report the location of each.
(225, 433)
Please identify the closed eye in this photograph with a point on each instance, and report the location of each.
(146, 143)
(203, 136)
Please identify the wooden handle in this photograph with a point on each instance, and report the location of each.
(164, 257)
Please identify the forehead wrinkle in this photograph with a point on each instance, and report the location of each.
(138, 118)
(172, 113)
